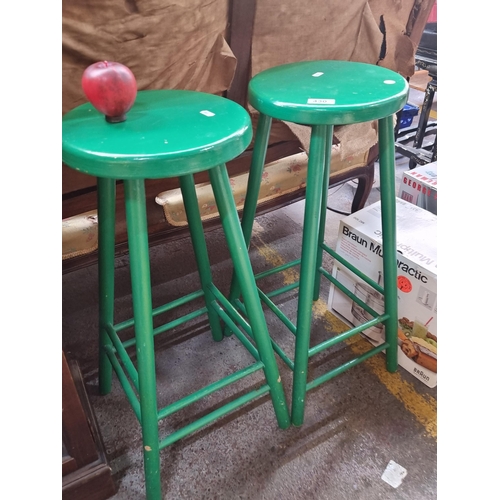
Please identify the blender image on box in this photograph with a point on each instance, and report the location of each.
(373, 299)
(360, 243)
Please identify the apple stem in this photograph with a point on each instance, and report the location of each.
(116, 119)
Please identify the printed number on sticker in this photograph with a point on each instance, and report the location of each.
(320, 101)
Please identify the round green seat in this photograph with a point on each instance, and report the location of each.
(169, 133)
(166, 134)
(328, 92)
(321, 95)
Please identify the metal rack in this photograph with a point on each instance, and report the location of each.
(410, 142)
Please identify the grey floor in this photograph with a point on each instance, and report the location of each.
(355, 424)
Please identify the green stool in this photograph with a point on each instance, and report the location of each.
(169, 133)
(322, 94)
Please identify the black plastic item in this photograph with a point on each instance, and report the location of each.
(428, 41)
(426, 54)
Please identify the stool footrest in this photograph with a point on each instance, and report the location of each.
(119, 352)
(277, 349)
(346, 335)
(237, 332)
(207, 419)
(128, 376)
(277, 311)
(231, 314)
(179, 321)
(342, 368)
(163, 308)
(207, 390)
(277, 269)
(377, 317)
(123, 378)
(351, 268)
(171, 324)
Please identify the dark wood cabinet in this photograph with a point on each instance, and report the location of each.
(86, 474)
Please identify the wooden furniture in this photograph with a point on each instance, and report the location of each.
(86, 474)
(170, 133)
(324, 94)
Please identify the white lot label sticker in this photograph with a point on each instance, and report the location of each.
(207, 113)
(320, 101)
(394, 474)
(319, 73)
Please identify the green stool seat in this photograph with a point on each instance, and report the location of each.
(169, 133)
(328, 92)
(322, 94)
(166, 134)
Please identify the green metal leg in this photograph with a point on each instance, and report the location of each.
(253, 189)
(244, 275)
(313, 203)
(135, 205)
(388, 206)
(324, 202)
(106, 199)
(200, 249)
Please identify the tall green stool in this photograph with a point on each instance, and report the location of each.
(322, 94)
(169, 133)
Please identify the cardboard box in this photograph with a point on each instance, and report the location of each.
(360, 243)
(419, 186)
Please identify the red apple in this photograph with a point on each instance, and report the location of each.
(111, 88)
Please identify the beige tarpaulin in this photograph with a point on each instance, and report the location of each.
(357, 30)
(166, 44)
(182, 44)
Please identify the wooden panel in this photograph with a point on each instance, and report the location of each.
(240, 40)
(77, 437)
(72, 180)
(68, 465)
(93, 483)
(85, 472)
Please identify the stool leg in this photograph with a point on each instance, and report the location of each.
(253, 189)
(135, 205)
(200, 249)
(388, 207)
(255, 175)
(106, 199)
(324, 202)
(244, 275)
(308, 268)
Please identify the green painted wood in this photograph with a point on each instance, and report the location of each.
(187, 132)
(328, 92)
(168, 133)
(323, 94)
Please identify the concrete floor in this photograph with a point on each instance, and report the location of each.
(354, 426)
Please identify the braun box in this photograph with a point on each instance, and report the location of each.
(419, 186)
(360, 243)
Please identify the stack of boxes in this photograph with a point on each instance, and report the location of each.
(360, 243)
(419, 186)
